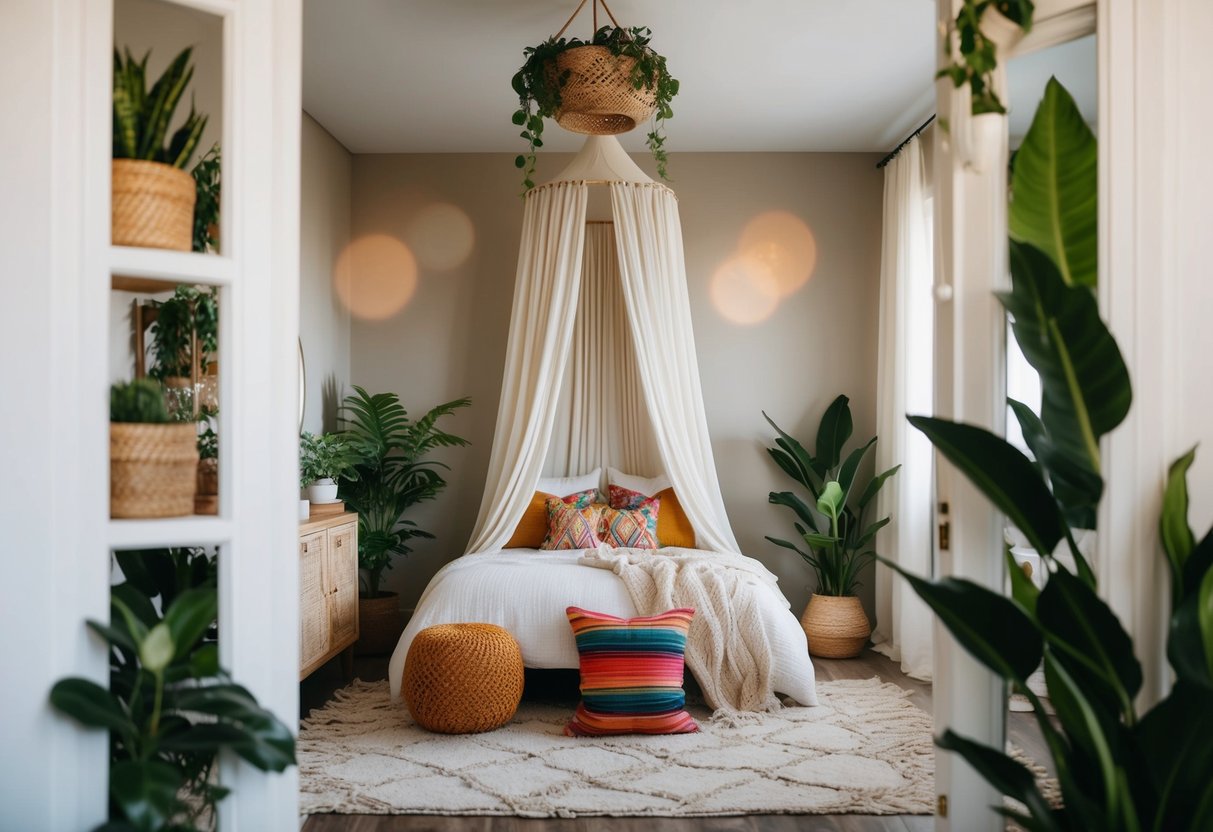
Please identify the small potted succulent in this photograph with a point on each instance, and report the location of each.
(837, 538)
(153, 194)
(604, 86)
(153, 460)
(322, 460)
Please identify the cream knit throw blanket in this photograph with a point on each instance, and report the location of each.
(727, 647)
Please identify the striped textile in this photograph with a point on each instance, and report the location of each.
(631, 674)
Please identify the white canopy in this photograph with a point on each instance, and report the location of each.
(600, 367)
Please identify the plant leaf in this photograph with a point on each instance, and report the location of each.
(189, 617)
(1010, 777)
(874, 486)
(1176, 743)
(802, 461)
(1076, 486)
(846, 474)
(990, 627)
(1003, 474)
(787, 498)
(833, 433)
(146, 792)
(1055, 188)
(90, 704)
(1177, 538)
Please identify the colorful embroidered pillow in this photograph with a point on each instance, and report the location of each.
(533, 526)
(632, 528)
(631, 674)
(673, 526)
(571, 526)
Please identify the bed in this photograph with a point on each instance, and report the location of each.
(526, 591)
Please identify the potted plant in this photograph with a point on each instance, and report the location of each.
(322, 459)
(206, 501)
(604, 86)
(186, 323)
(169, 707)
(153, 460)
(152, 193)
(837, 538)
(206, 202)
(390, 477)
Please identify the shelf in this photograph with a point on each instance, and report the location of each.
(155, 269)
(192, 530)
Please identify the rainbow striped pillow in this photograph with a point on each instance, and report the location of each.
(631, 674)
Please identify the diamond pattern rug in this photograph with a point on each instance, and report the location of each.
(865, 749)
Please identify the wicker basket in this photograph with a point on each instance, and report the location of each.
(836, 626)
(598, 97)
(463, 678)
(153, 469)
(152, 204)
(380, 623)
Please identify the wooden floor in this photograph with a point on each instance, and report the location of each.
(316, 690)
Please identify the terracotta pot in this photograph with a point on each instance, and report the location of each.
(380, 624)
(836, 626)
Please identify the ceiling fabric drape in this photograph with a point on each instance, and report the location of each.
(600, 365)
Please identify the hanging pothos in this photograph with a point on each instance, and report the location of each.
(978, 53)
(539, 87)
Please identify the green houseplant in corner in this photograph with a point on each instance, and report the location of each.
(169, 707)
(836, 538)
(323, 460)
(391, 476)
(1118, 769)
(152, 192)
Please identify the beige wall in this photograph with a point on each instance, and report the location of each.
(324, 323)
(450, 338)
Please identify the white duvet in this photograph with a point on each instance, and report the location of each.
(526, 591)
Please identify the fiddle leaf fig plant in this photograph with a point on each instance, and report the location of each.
(1118, 769)
(538, 86)
(837, 540)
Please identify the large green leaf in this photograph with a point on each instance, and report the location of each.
(1054, 188)
(846, 474)
(1009, 776)
(1176, 743)
(1187, 648)
(1199, 563)
(1085, 385)
(90, 704)
(792, 457)
(874, 485)
(1090, 642)
(833, 433)
(267, 744)
(989, 626)
(787, 498)
(1177, 538)
(1001, 472)
(1075, 485)
(146, 792)
(190, 616)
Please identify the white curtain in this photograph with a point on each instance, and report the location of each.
(633, 360)
(541, 328)
(904, 385)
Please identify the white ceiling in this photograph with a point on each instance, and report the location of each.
(393, 76)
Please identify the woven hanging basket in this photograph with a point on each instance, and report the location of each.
(153, 469)
(598, 98)
(152, 205)
(836, 626)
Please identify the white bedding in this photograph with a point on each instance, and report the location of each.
(526, 591)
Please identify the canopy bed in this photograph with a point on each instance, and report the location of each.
(600, 370)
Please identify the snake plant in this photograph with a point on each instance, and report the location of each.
(142, 117)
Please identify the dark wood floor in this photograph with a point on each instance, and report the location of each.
(317, 689)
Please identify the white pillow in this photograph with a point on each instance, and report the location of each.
(648, 486)
(564, 486)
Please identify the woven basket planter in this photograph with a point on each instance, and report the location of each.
(152, 205)
(380, 624)
(598, 98)
(836, 626)
(153, 469)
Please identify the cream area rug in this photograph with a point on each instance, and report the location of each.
(865, 749)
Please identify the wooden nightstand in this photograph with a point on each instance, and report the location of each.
(328, 591)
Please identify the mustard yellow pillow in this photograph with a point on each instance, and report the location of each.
(673, 526)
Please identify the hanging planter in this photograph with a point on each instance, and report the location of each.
(601, 87)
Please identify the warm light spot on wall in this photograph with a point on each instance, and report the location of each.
(375, 276)
(744, 290)
(441, 235)
(782, 242)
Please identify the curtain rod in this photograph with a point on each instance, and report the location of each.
(893, 153)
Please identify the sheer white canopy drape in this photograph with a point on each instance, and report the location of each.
(904, 385)
(654, 358)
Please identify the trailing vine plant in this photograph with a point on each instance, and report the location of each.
(538, 87)
(978, 54)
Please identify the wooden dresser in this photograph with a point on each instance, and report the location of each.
(328, 591)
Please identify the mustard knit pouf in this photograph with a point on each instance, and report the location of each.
(463, 678)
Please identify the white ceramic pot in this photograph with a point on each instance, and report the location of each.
(322, 491)
(305, 509)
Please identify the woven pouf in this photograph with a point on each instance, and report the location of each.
(463, 678)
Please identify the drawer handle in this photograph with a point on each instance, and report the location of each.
(305, 548)
(339, 543)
